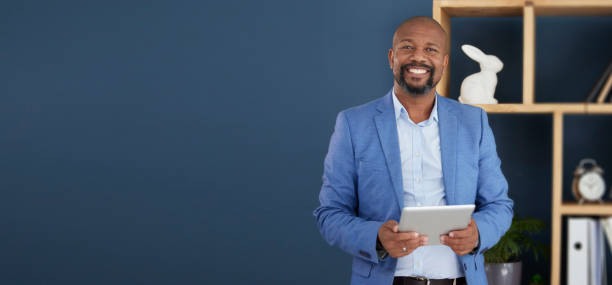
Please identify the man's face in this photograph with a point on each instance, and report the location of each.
(418, 57)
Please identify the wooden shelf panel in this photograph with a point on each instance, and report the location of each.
(603, 108)
(547, 108)
(482, 8)
(573, 7)
(511, 8)
(590, 209)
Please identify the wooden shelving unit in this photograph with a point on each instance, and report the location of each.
(444, 10)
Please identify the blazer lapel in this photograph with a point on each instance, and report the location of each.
(448, 147)
(387, 133)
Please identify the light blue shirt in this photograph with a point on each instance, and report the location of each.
(421, 162)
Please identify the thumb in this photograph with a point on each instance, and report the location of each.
(393, 225)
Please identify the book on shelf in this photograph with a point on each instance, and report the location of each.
(598, 87)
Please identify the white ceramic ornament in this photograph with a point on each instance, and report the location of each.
(479, 88)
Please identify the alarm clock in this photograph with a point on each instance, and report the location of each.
(588, 184)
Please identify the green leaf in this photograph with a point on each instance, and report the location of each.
(517, 241)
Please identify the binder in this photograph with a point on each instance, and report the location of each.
(606, 223)
(585, 252)
(577, 251)
(596, 253)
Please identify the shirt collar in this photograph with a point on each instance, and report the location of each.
(399, 108)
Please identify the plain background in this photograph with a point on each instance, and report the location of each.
(182, 142)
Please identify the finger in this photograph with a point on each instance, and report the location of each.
(409, 248)
(388, 226)
(392, 223)
(395, 229)
(464, 251)
(424, 240)
(467, 232)
(407, 236)
(401, 250)
(443, 239)
(457, 242)
(412, 243)
(455, 236)
(463, 247)
(459, 250)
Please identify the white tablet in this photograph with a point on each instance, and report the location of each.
(434, 221)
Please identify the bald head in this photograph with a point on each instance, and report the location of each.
(418, 57)
(420, 22)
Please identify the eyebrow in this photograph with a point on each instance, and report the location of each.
(428, 43)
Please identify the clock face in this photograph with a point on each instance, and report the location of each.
(591, 186)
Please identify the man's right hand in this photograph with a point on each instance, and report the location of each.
(399, 244)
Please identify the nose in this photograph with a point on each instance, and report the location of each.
(418, 55)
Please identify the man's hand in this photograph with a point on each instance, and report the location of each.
(399, 244)
(464, 241)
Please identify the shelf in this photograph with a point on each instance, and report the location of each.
(573, 7)
(601, 108)
(590, 209)
(482, 8)
(512, 8)
(547, 108)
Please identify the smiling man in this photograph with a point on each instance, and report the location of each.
(413, 148)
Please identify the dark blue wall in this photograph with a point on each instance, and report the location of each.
(182, 142)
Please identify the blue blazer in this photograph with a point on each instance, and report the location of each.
(362, 183)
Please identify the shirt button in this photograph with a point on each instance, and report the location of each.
(419, 204)
(418, 180)
(417, 153)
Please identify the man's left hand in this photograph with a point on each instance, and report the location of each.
(463, 241)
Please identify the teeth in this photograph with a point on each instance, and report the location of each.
(418, 71)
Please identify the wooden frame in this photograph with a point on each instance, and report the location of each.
(443, 10)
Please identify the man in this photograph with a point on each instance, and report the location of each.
(413, 147)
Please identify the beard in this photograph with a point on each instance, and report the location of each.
(413, 89)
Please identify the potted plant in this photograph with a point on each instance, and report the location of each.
(502, 262)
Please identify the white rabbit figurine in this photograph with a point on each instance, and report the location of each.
(479, 88)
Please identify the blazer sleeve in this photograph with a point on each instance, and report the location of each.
(493, 213)
(336, 216)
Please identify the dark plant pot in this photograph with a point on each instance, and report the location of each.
(504, 273)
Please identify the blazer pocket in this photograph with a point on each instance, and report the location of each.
(362, 268)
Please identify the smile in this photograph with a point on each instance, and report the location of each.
(417, 70)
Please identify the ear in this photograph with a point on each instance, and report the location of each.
(390, 58)
(445, 63)
(473, 52)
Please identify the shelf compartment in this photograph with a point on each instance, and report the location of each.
(481, 8)
(509, 8)
(586, 209)
(444, 10)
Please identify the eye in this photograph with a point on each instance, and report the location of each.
(431, 50)
(407, 47)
